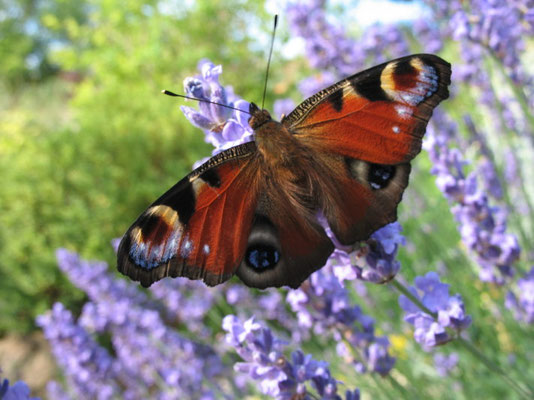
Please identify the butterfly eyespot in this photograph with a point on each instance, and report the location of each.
(380, 175)
(262, 257)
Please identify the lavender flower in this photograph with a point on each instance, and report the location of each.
(148, 353)
(323, 305)
(330, 50)
(445, 363)
(17, 391)
(482, 227)
(279, 377)
(89, 369)
(56, 391)
(373, 260)
(520, 300)
(496, 25)
(186, 302)
(283, 107)
(430, 330)
(223, 127)
(494, 29)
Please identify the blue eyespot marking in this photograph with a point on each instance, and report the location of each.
(262, 257)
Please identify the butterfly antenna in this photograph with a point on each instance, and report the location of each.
(269, 60)
(169, 93)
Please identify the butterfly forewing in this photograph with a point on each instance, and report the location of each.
(199, 228)
(379, 115)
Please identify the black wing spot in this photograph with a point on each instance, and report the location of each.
(370, 86)
(183, 202)
(336, 100)
(405, 67)
(380, 175)
(211, 177)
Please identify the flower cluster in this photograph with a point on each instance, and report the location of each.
(279, 377)
(497, 27)
(183, 305)
(328, 48)
(376, 259)
(148, 353)
(482, 226)
(445, 363)
(323, 306)
(89, 368)
(223, 127)
(18, 391)
(521, 299)
(445, 311)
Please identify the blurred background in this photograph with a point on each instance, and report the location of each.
(87, 142)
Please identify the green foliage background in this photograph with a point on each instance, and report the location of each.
(87, 140)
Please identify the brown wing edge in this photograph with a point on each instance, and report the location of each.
(173, 268)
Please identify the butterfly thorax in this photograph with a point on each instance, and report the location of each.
(288, 167)
(276, 145)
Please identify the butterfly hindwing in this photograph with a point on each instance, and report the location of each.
(199, 228)
(378, 115)
(370, 195)
(283, 248)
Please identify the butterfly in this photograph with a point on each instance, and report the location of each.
(252, 210)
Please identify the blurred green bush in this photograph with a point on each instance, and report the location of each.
(84, 150)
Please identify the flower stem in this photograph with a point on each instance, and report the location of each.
(518, 92)
(524, 393)
(401, 288)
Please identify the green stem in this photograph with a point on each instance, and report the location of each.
(500, 113)
(401, 288)
(400, 388)
(524, 393)
(381, 387)
(518, 92)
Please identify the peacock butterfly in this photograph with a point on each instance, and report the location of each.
(252, 210)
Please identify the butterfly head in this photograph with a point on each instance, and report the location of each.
(257, 116)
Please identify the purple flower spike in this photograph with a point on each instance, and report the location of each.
(56, 391)
(330, 50)
(323, 305)
(482, 226)
(374, 261)
(89, 368)
(148, 352)
(279, 377)
(434, 295)
(18, 391)
(223, 126)
(520, 300)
